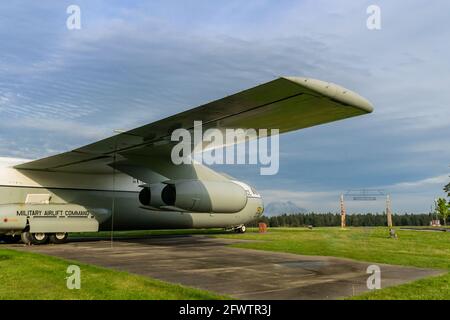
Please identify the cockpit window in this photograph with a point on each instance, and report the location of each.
(254, 191)
(251, 192)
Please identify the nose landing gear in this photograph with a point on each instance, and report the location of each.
(240, 229)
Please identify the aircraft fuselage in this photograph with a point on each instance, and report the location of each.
(59, 200)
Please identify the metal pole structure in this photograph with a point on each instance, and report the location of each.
(388, 211)
(342, 212)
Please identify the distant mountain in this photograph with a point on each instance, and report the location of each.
(277, 208)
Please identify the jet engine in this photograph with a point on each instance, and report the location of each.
(205, 196)
(196, 196)
(150, 195)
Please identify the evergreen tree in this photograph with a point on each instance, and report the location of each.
(334, 219)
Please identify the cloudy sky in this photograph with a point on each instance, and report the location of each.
(133, 62)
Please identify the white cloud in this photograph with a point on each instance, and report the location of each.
(440, 180)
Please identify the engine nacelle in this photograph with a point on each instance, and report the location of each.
(151, 195)
(205, 196)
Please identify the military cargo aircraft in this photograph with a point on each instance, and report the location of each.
(129, 182)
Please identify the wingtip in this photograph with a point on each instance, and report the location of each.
(334, 91)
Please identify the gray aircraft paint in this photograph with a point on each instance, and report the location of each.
(128, 214)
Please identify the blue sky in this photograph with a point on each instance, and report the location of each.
(135, 62)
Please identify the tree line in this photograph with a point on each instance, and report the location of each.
(352, 220)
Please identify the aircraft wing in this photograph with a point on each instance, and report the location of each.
(287, 104)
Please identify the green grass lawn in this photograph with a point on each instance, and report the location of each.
(34, 276)
(412, 248)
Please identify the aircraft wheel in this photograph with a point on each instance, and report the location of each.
(240, 229)
(58, 238)
(38, 238)
(25, 237)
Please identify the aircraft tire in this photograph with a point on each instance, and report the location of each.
(39, 238)
(58, 238)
